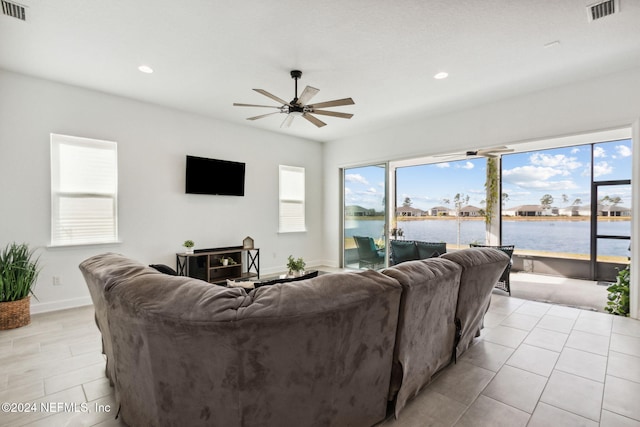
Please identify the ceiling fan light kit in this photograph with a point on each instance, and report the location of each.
(298, 106)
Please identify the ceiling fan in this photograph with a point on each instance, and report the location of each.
(298, 105)
(482, 152)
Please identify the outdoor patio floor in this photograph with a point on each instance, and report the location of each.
(584, 294)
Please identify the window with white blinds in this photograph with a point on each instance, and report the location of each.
(292, 211)
(84, 191)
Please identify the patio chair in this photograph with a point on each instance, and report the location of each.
(504, 283)
(368, 254)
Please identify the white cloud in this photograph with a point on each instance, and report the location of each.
(354, 177)
(529, 173)
(443, 165)
(575, 150)
(598, 152)
(551, 185)
(537, 178)
(372, 190)
(602, 168)
(558, 160)
(467, 165)
(623, 150)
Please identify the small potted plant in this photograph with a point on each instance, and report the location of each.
(225, 260)
(18, 274)
(188, 244)
(295, 266)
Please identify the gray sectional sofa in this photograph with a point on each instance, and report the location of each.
(341, 349)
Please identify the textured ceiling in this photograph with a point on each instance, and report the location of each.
(384, 54)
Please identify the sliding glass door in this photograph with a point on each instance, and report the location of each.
(364, 217)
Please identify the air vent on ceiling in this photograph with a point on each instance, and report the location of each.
(14, 9)
(602, 9)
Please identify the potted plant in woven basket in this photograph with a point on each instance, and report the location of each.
(18, 273)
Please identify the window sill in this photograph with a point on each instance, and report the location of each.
(80, 245)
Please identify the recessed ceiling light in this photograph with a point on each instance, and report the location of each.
(441, 75)
(145, 69)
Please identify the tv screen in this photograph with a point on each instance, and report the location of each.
(212, 176)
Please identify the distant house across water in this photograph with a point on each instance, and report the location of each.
(409, 211)
(439, 211)
(470, 211)
(573, 210)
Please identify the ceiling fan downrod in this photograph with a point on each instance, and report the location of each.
(295, 75)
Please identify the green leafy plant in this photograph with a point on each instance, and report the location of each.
(492, 186)
(619, 294)
(188, 244)
(230, 261)
(295, 264)
(18, 272)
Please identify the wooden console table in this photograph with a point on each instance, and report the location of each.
(207, 264)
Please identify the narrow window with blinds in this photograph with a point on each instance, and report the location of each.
(292, 213)
(84, 191)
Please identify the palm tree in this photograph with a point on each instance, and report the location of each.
(546, 201)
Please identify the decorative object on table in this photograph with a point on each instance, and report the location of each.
(188, 244)
(225, 260)
(247, 243)
(295, 266)
(18, 274)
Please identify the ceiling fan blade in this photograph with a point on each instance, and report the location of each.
(306, 95)
(334, 103)
(287, 121)
(236, 104)
(269, 95)
(262, 115)
(333, 113)
(319, 123)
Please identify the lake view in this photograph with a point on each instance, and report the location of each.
(540, 235)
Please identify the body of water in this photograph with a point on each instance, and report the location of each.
(552, 235)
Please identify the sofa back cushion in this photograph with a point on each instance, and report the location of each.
(430, 249)
(403, 250)
(426, 327)
(186, 349)
(102, 273)
(481, 268)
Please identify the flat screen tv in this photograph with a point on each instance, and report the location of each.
(212, 176)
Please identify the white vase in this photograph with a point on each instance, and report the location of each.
(188, 250)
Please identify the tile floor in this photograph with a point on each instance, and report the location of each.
(535, 364)
(538, 364)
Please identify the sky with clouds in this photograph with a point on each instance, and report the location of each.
(526, 178)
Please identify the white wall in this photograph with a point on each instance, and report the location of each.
(155, 215)
(607, 102)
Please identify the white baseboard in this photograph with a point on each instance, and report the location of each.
(44, 307)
